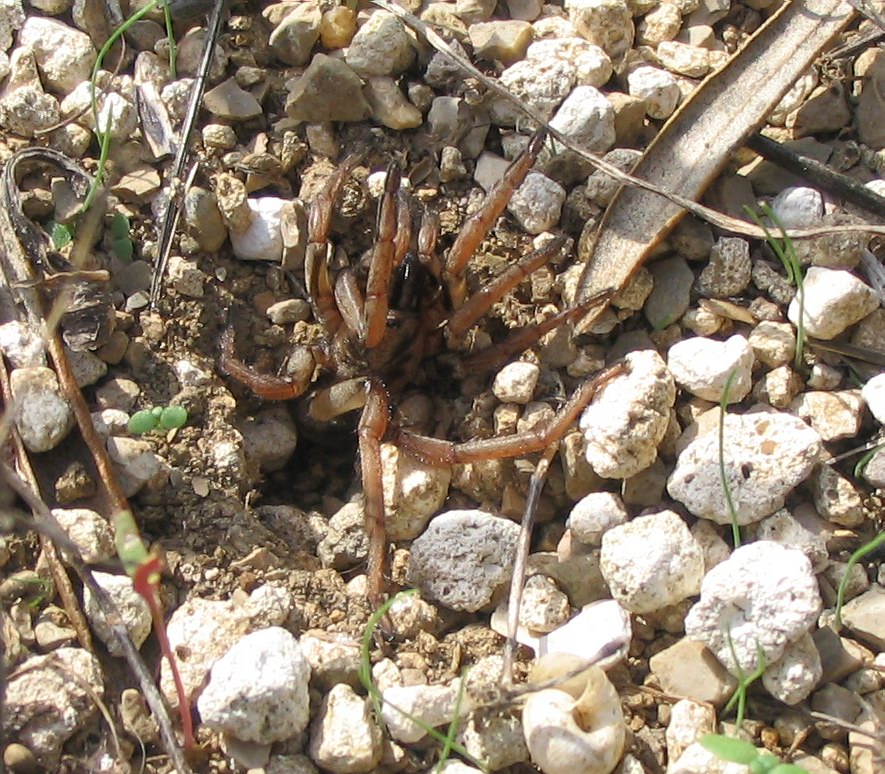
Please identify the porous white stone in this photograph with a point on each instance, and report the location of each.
(380, 47)
(516, 382)
(257, 690)
(21, 345)
(683, 59)
(90, 532)
(263, 240)
(835, 415)
(593, 515)
(64, 55)
(44, 706)
(703, 367)
(873, 393)
(607, 23)
(116, 105)
(43, 415)
(587, 118)
(541, 83)
(809, 537)
(628, 418)
(463, 558)
(798, 207)
(657, 87)
(333, 658)
(413, 492)
(796, 674)
(763, 595)
(537, 203)
(12, 16)
(773, 343)
(544, 607)
(593, 67)
(202, 630)
(766, 455)
(651, 562)
(128, 604)
(599, 628)
(689, 720)
(834, 300)
(431, 704)
(345, 739)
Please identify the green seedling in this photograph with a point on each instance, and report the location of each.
(447, 740)
(121, 242)
(862, 463)
(60, 234)
(157, 418)
(726, 489)
(739, 697)
(786, 254)
(44, 591)
(733, 750)
(859, 554)
(145, 567)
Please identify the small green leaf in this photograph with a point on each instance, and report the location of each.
(173, 417)
(130, 548)
(763, 764)
(61, 235)
(156, 411)
(120, 226)
(142, 422)
(727, 749)
(788, 768)
(123, 249)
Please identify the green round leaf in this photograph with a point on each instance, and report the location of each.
(727, 749)
(61, 235)
(120, 226)
(142, 422)
(156, 411)
(123, 249)
(763, 764)
(173, 417)
(788, 768)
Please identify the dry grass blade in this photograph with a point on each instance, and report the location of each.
(695, 143)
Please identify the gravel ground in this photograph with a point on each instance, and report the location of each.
(258, 507)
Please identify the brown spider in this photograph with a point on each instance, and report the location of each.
(391, 311)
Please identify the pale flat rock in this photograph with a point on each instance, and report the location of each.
(413, 492)
(769, 597)
(834, 300)
(344, 738)
(703, 366)
(651, 562)
(257, 691)
(795, 675)
(865, 616)
(131, 607)
(767, 454)
(43, 415)
(690, 669)
(628, 418)
(873, 393)
(834, 415)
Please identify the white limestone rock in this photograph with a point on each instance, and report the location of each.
(806, 535)
(703, 366)
(835, 415)
(516, 382)
(263, 240)
(593, 67)
(651, 562)
(64, 55)
(594, 515)
(257, 690)
(537, 203)
(796, 674)
(380, 47)
(413, 492)
(90, 532)
(587, 118)
(204, 630)
(344, 738)
(766, 595)
(544, 607)
(598, 628)
(658, 88)
(628, 418)
(834, 300)
(873, 393)
(128, 603)
(767, 454)
(43, 415)
(463, 559)
(606, 23)
(431, 704)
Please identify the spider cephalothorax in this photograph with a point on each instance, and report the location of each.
(386, 315)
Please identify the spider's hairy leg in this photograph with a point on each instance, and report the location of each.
(481, 301)
(266, 386)
(381, 263)
(478, 225)
(435, 451)
(316, 270)
(372, 427)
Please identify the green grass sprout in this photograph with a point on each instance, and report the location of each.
(739, 697)
(447, 740)
(726, 490)
(862, 463)
(859, 554)
(733, 750)
(786, 253)
(454, 724)
(170, 38)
